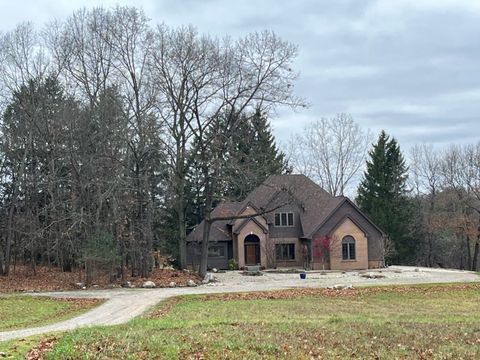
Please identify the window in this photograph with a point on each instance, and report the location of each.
(348, 248)
(285, 252)
(216, 251)
(284, 219)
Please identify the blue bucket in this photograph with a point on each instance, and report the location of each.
(303, 276)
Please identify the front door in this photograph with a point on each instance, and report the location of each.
(252, 254)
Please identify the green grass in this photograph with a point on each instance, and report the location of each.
(17, 349)
(27, 311)
(401, 322)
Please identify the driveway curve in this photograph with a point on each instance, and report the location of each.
(122, 305)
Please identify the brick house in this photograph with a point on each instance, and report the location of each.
(307, 227)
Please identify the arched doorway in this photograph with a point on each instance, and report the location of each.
(252, 250)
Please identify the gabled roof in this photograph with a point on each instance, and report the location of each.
(347, 200)
(315, 203)
(244, 205)
(237, 228)
(219, 230)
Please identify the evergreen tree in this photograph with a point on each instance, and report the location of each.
(251, 158)
(382, 195)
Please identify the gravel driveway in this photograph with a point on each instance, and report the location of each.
(123, 305)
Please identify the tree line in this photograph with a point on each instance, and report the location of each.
(118, 136)
(428, 204)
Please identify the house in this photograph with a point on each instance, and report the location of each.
(302, 225)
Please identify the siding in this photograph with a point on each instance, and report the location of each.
(284, 231)
(219, 262)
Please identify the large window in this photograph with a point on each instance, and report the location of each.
(285, 252)
(284, 219)
(216, 250)
(348, 248)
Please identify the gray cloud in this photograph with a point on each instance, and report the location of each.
(407, 66)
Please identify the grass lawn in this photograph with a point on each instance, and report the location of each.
(17, 349)
(28, 311)
(426, 322)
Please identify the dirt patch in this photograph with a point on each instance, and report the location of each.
(23, 279)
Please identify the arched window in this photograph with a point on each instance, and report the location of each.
(348, 248)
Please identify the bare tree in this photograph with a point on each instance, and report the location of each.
(446, 196)
(462, 174)
(23, 57)
(82, 52)
(270, 250)
(85, 163)
(426, 170)
(204, 84)
(330, 151)
(132, 45)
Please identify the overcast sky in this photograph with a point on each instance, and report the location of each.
(410, 67)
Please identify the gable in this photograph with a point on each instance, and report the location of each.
(316, 211)
(243, 222)
(348, 223)
(249, 209)
(220, 230)
(314, 203)
(348, 210)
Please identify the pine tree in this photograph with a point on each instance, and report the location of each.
(252, 157)
(382, 195)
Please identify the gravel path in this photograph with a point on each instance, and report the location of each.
(123, 305)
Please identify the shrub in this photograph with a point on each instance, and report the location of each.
(232, 264)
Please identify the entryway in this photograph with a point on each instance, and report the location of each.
(252, 250)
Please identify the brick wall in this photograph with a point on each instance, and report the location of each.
(348, 227)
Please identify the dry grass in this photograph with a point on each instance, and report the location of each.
(419, 322)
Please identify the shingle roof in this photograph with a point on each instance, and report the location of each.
(316, 202)
(219, 230)
(317, 205)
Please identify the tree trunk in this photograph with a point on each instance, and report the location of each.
(475, 255)
(204, 248)
(8, 246)
(1, 262)
(180, 180)
(430, 250)
(469, 252)
(182, 231)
